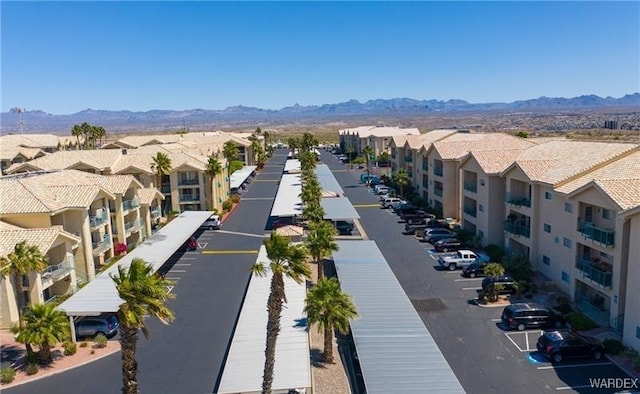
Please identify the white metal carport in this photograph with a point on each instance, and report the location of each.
(239, 177)
(100, 295)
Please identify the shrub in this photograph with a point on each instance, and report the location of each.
(235, 198)
(31, 357)
(93, 351)
(518, 266)
(565, 309)
(32, 369)
(227, 205)
(580, 322)
(84, 344)
(69, 348)
(119, 249)
(494, 252)
(7, 374)
(613, 346)
(100, 341)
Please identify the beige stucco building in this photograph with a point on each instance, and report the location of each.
(377, 137)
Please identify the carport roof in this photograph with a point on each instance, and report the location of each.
(338, 208)
(326, 179)
(245, 362)
(100, 295)
(396, 352)
(237, 178)
(292, 165)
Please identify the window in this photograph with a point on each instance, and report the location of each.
(566, 242)
(568, 207)
(565, 277)
(481, 182)
(546, 260)
(548, 195)
(638, 332)
(547, 228)
(607, 214)
(556, 240)
(480, 207)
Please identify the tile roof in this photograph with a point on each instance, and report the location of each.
(10, 153)
(428, 138)
(17, 197)
(99, 159)
(625, 192)
(148, 194)
(379, 131)
(458, 145)
(42, 238)
(557, 161)
(495, 161)
(29, 140)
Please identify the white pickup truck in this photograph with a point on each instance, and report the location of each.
(460, 259)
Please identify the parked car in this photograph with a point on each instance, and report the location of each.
(508, 284)
(410, 229)
(409, 214)
(382, 190)
(389, 202)
(474, 269)
(397, 208)
(448, 245)
(530, 315)
(433, 235)
(90, 326)
(191, 244)
(557, 345)
(344, 227)
(213, 223)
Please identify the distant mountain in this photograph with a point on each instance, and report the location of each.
(39, 121)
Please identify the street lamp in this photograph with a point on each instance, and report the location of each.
(19, 111)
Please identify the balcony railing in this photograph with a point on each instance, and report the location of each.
(188, 181)
(471, 187)
(155, 213)
(437, 171)
(470, 211)
(517, 200)
(408, 159)
(437, 192)
(58, 271)
(189, 197)
(130, 204)
(595, 233)
(517, 229)
(101, 246)
(134, 226)
(598, 275)
(98, 220)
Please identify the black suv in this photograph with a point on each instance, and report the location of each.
(508, 284)
(474, 269)
(344, 227)
(530, 315)
(557, 345)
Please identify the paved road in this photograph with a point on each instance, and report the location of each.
(483, 358)
(187, 356)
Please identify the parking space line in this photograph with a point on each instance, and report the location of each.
(172, 278)
(472, 288)
(183, 264)
(585, 386)
(574, 365)
(245, 234)
(512, 341)
(187, 258)
(465, 279)
(526, 337)
(496, 320)
(174, 271)
(367, 206)
(229, 252)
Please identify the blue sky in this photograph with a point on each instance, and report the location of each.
(63, 57)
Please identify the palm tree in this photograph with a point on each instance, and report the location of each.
(99, 132)
(320, 242)
(313, 211)
(367, 151)
(331, 308)
(45, 326)
(307, 142)
(24, 260)
(402, 178)
(266, 136)
(286, 260)
(230, 151)
(294, 143)
(161, 164)
(76, 131)
(144, 293)
(213, 169)
(350, 152)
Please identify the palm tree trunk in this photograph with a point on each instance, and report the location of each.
(19, 290)
(320, 263)
(128, 343)
(274, 306)
(328, 343)
(45, 353)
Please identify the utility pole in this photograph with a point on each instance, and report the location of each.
(19, 111)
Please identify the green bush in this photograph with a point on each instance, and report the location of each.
(613, 346)
(227, 205)
(494, 252)
(581, 322)
(84, 344)
(235, 198)
(32, 369)
(565, 309)
(69, 348)
(100, 341)
(7, 374)
(31, 357)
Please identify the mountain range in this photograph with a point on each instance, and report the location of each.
(40, 121)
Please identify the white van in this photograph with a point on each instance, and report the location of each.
(389, 201)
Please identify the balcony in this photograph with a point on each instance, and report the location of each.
(471, 187)
(437, 192)
(437, 171)
(165, 189)
(128, 205)
(101, 246)
(425, 166)
(408, 159)
(598, 234)
(188, 182)
(600, 274)
(58, 271)
(131, 227)
(189, 197)
(98, 220)
(517, 200)
(155, 212)
(516, 229)
(425, 184)
(470, 211)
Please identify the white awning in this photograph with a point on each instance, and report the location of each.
(100, 295)
(338, 208)
(237, 178)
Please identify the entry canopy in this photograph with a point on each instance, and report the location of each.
(100, 295)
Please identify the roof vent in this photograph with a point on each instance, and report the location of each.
(124, 151)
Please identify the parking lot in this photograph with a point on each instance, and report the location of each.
(485, 357)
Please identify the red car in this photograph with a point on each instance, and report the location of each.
(191, 244)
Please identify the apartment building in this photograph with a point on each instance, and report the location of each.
(24, 147)
(377, 137)
(60, 248)
(188, 186)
